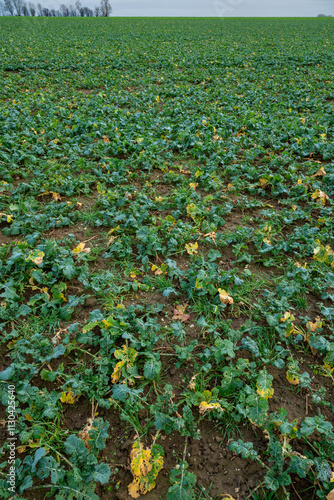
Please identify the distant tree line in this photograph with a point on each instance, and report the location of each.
(324, 15)
(23, 8)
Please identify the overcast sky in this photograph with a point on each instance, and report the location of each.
(220, 8)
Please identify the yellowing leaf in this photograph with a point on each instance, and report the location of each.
(287, 316)
(314, 326)
(263, 384)
(56, 196)
(134, 488)
(80, 249)
(263, 182)
(145, 466)
(36, 256)
(191, 248)
(321, 172)
(204, 407)
(193, 185)
(192, 210)
(127, 357)
(224, 297)
(321, 195)
(140, 459)
(9, 218)
(116, 375)
(68, 397)
(293, 379)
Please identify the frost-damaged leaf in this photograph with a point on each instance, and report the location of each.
(192, 383)
(204, 407)
(84, 434)
(330, 495)
(36, 256)
(320, 195)
(80, 249)
(191, 248)
(224, 297)
(145, 466)
(321, 172)
(179, 313)
(263, 384)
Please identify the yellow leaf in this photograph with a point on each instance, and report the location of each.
(287, 316)
(321, 172)
(80, 249)
(314, 326)
(133, 488)
(145, 465)
(68, 397)
(35, 256)
(8, 217)
(191, 248)
(321, 195)
(140, 459)
(204, 407)
(224, 297)
(293, 379)
(263, 182)
(56, 196)
(116, 375)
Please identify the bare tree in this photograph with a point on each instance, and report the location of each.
(72, 10)
(78, 6)
(18, 4)
(32, 9)
(88, 12)
(25, 10)
(64, 10)
(9, 6)
(106, 9)
(20, 7)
